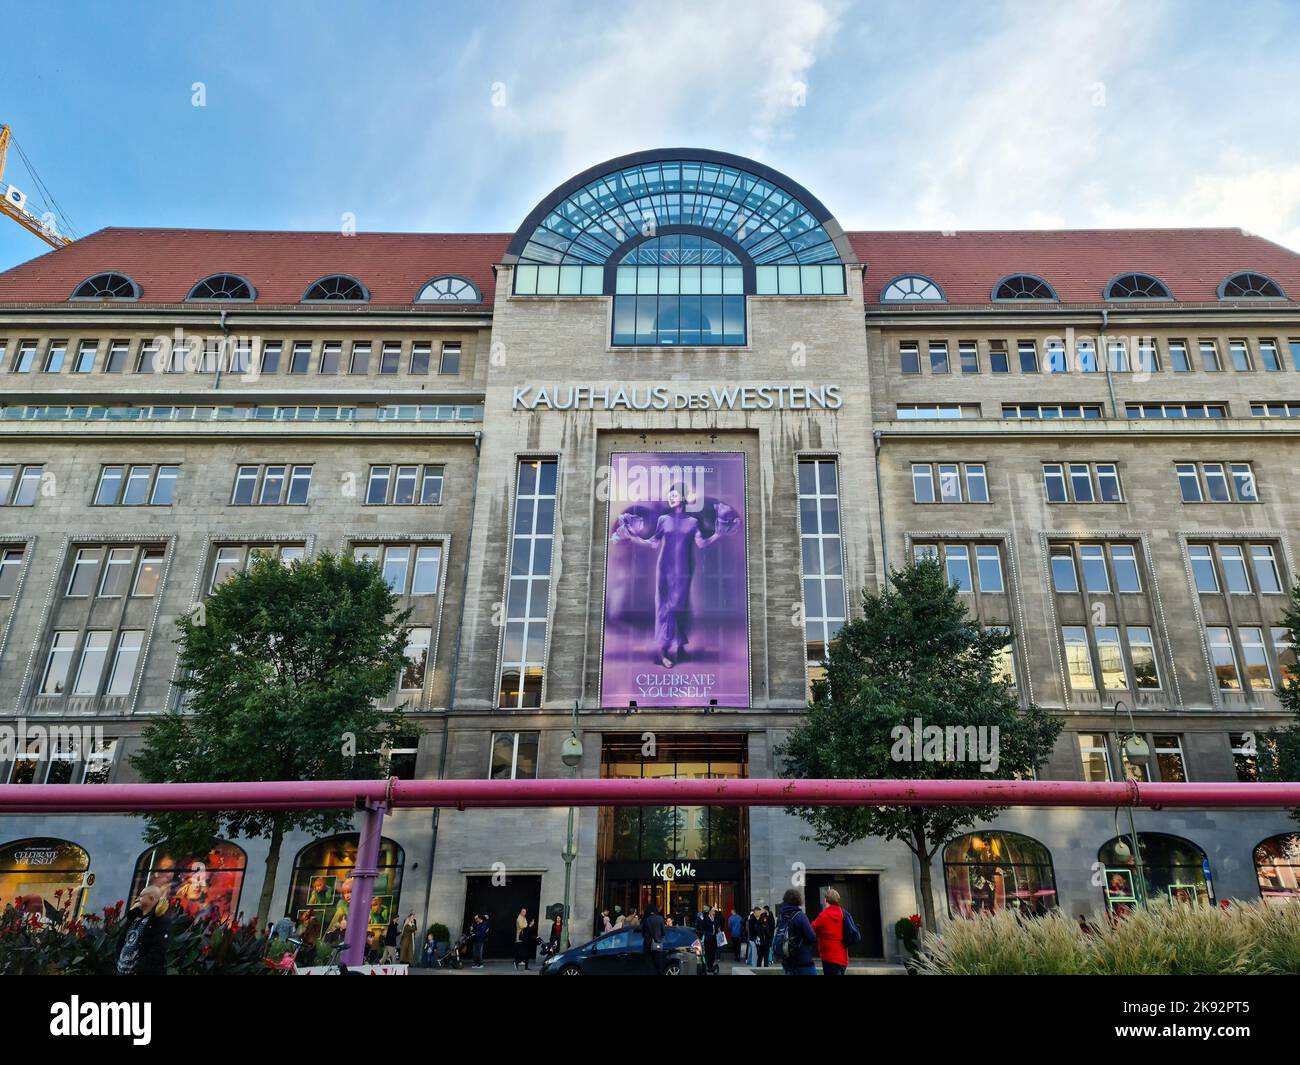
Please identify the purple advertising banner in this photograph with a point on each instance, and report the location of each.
(676, 589)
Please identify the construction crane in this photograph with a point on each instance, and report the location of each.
(13, 201)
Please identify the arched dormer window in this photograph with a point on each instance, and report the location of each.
(337, 288)
(1250, 286)
(222, 287)
(107, 286)
(1022, 287)
(1137, 287)
(912, 288)
(449, 289)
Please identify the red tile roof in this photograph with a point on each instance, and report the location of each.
(166, 263)
(1077, 263)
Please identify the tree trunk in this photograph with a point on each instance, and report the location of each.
(922, 852)
(272, 867)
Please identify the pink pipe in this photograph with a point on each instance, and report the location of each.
(513, 794)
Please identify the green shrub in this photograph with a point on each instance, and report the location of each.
(1162, 940)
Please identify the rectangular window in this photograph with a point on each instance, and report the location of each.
(397, 560)
(1232, 560)
(271, 357)
(1108, 489)
(1189, 483)
(26, 357)
(1051, 410)
(122, 677)
(1204, 574)
(998, 361)
(1123, 558)
(977, 484)
(94, 652)
(968, 355)
(1245, 757)
(417, 660)
(1240, 355)
(331, 355)
(148, 576)
(57, 663)
(909, 358)
(938, 358)
(360, 359)
(1209, 356)
(949, 482)
(404, 485)
(402, 757)
(1054, 482)
(1178, 361)
(1216, 482)
(1223, 658)
(1004, 662)
(1081, 482)
(424, 579)
(957, 564)
(1142, 653)
(1243, 482)
(99, 762)
(116, 578)
(11, 566)
(988, 561)
(1284, 652)
(118, 355)
(1117, 356)
(1095, 756)
(1255, 658)
(267, 485)
(1092, 560)
(55, 353)
(1147, 359)
(1028, 356)
(1054, 360)
(431, 485)
(23, 481)
(420, 356)
(1065, 578)
(528, 596)
(923, 483)
(1268, 356)
(85, 565)
(1264, 563)
(1087, 352)
(300, 361)
(1110, 657)
(1176, 410)
(514, 756)
(390, 358)
(942, 411)
(449, 359)
(85, 361)
(821, 553)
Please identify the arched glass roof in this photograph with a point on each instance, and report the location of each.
(588, 219)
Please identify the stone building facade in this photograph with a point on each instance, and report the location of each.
(1091, 429)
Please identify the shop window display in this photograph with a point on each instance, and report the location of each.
(200, 886)
(988, 872)
(1174, 869)
(38, 875)
(322, 887)
(1277, 867)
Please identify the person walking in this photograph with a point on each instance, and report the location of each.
(429, 956)
(142, 945)
(652, 934)
(736, 929)
(794, 938)
(754, 935)
(479, 934)
(765, 940)
(557, 930)
(406, 949)
(829, 927)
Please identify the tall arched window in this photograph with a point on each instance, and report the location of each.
(198, 885)
(1248, 285)
(337, 288)
(46, 876)
(1137, 287)
(107, 286)
(1277, 867)
(321, 886)
(988, 872)
(1175, 869)
(1023, 287)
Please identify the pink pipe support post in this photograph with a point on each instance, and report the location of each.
(363, 884)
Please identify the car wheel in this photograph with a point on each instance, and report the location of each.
(571, 970)
(673, 968)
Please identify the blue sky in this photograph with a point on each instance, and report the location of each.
(460, 116)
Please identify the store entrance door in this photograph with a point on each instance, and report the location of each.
(680, 900)
(860, 895)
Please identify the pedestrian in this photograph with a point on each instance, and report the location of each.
(391, 936)
(522, 941)
(794, 938)
(753, 935)
(829, 927)
(765, 943)
(479, 932)
(652, 934)
(557, 931)
(429, 956)
(736, 929)
(142, 946)
(406, 951)
(605, 924)
(707, 929)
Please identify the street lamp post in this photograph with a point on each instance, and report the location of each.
(571, 756)
(1135, 751)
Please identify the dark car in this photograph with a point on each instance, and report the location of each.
(622, 952)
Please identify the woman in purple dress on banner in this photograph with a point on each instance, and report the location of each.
(677, 535)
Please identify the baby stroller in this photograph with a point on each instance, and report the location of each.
(451, 960)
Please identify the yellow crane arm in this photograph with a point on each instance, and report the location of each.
(13, 202)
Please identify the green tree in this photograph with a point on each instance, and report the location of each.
(1278, 756)
(913, 654)
(283, 667)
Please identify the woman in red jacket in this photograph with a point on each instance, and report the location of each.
(829, 927)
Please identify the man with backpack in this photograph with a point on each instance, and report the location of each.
(836, 932)
(794, 939)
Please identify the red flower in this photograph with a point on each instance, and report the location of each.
(916, 920)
